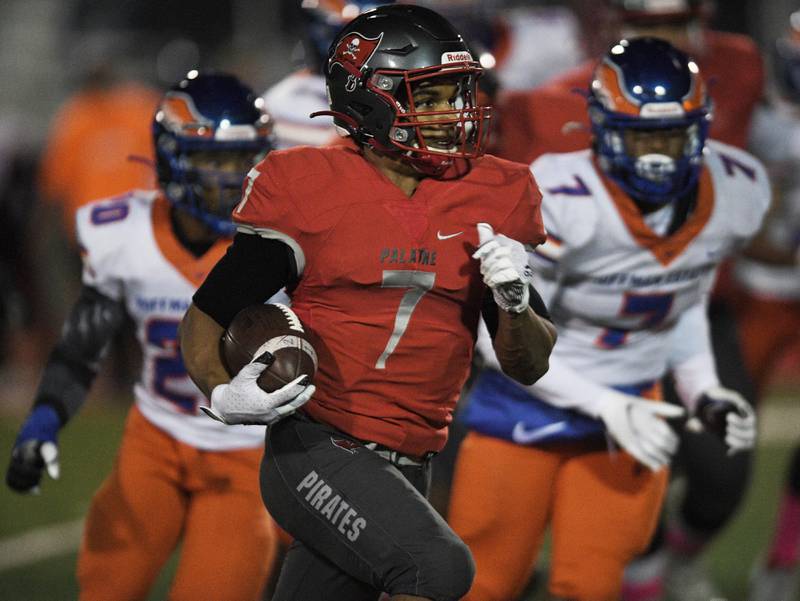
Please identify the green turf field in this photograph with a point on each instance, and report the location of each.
(42, 570)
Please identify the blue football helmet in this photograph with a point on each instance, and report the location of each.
(646, 84)
(208, 113)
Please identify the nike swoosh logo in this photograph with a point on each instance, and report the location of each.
(442, 236)
(522, 436)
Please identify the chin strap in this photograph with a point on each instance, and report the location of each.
(432, 165)
(352, 123)
(427, 164)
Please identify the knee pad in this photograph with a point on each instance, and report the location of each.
(716, 484)
(442, 571)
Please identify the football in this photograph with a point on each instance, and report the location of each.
(274, 328)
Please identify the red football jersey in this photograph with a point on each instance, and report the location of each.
(388, 288)
(534, 120)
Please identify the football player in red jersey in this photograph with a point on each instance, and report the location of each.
(387, 247)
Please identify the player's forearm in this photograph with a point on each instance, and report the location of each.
(74, 361)
(523, 344)
(199, 335)
(691, 357)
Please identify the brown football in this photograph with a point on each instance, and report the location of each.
(274, 328)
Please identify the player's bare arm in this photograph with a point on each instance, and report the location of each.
(253, 270)
(66, 379)
(524, 338)
(523, 344)
(200, 356)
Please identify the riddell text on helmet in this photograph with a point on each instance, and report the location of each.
(456, 57)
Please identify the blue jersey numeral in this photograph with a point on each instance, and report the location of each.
(111, 212)
(653, 308)
(168, 367)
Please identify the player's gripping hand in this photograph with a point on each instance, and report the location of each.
(35, 450)
(727, 414)
(242, 401)
(504, 266)
(639, 426)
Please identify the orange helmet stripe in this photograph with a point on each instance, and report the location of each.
(696, 99)
(608, 78)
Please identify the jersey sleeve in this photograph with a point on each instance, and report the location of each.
(691, 356)
(524, 222)
(98, 241)
(516, 142)
(268, 209)
(750, 190)
(568, 226)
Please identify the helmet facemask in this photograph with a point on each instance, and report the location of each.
(209, 131)
(436, 115)
(661, 174)
(207, 191)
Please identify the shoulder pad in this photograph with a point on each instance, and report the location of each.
(741, 186)
(569, 186)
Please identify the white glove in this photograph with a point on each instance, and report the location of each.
(729, 415)
(637, 425)
(504, 266)
(242, 401)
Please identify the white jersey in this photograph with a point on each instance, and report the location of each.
(555, 34)
(131, 254)
(776, 138)
(291, 101)
(615, 288)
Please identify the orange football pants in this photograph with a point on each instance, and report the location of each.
(602, 509)
(161, 492)
(767, 329)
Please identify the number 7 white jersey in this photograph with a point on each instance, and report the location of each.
(131, 254)
(614, 287)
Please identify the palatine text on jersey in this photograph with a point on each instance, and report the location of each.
(419, 256)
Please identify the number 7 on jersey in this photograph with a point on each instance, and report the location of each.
(418, 283)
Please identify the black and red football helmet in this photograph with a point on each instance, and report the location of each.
(375, 64)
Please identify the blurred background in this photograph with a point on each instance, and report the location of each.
(80, 79)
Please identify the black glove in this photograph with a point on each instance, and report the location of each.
(728, 415)
(35, 450)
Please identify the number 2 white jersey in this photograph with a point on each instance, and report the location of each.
(613, 286)
(131, 254)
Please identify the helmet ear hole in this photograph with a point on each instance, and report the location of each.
(359, 110)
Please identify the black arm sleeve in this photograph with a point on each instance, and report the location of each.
(489, 309)
(74, 361)
(251, 271)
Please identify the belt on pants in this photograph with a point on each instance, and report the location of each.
(397, 458)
